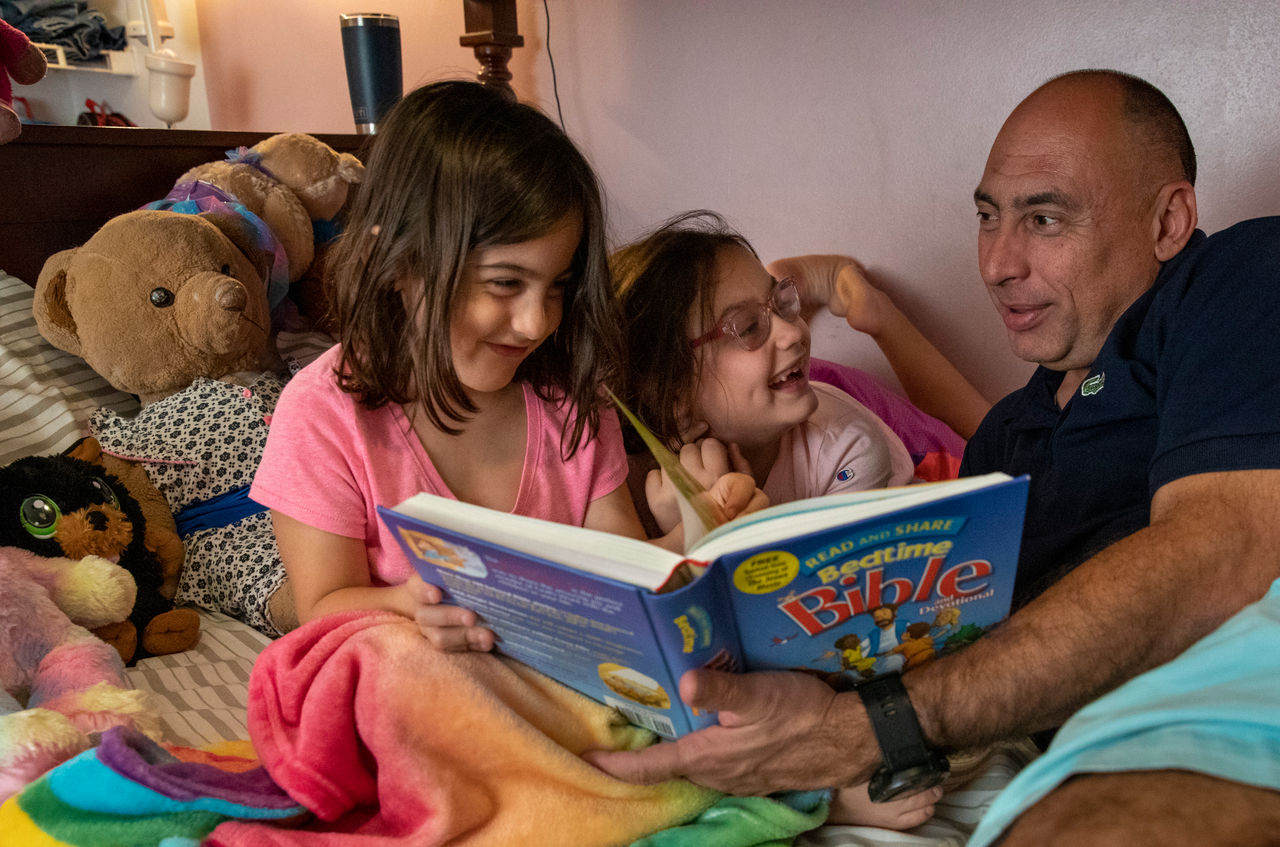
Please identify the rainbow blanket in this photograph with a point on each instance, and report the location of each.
(367, 737)
(130, 790)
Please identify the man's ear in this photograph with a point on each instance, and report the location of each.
(1174, 220)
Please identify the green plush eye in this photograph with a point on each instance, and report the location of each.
(39, 516)
(105, 491)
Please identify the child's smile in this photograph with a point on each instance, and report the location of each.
(750, 397)
(510, 301)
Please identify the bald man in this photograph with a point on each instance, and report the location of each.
(1150, 429)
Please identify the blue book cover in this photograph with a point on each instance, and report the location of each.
(844, 587)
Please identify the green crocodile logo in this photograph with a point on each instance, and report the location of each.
(1092, 385)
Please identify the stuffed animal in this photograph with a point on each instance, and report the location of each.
(320, 176)
(293, 182)
(175, 307)
(155, 299)
(27, 64)
(200, 447)
(60, 683)
(186, 328)
(63, 506)
(192, 341)
(170, 307)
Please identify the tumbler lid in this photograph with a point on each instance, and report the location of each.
(369, 19)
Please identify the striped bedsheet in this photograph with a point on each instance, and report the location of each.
(201, 694)
(45, 393)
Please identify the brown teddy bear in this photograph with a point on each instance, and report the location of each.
(292, 181)
(174, 305)
(155, 299)
(173, 308)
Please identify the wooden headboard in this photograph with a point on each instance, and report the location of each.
(61, 183)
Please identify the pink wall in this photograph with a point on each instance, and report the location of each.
(276, 65)
(855, 126)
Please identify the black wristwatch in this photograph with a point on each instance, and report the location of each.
(910, 764)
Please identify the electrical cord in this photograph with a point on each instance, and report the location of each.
(555, 86)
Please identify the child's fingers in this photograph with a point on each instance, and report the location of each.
(661, 495)
(451, 628)
(693, 460)
(737, 494)
(715, 457)
(423, 593)
(739, 461)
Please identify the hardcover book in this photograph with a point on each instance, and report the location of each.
(845, 587)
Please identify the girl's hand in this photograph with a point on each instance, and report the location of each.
(815, 278)
(445, 627)
(737, 494)
(707, 460)
(840, 284)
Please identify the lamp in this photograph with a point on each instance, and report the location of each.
(492, 32)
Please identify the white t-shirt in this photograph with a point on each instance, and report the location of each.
(843, 446)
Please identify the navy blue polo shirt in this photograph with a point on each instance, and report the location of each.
(1187, 382)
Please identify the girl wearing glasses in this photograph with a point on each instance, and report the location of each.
(719, 355)
(718, 348)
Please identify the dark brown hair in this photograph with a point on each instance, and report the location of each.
(456, 167)
(661, 277)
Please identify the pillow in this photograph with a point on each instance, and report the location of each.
(46, 395)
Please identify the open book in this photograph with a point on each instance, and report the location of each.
(845, 586)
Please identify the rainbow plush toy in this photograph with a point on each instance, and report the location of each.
(61, 685)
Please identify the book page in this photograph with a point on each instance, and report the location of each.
(628, 560)
(699, 514)
(791, 520)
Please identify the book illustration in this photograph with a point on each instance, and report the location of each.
(842, 587)
(633, 685)
(437, 551)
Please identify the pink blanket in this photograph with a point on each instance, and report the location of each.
(390, 742)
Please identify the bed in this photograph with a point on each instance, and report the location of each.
(63, 183)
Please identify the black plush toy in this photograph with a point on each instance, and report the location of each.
(63, 506)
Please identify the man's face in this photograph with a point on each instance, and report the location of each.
(1065, 235)
(883, 618)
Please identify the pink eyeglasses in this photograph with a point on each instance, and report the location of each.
(750, 324)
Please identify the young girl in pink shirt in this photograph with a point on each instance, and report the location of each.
(476, 324)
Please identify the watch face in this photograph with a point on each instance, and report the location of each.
(889, 785)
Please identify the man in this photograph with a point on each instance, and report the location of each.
(1151, 432)
(882, 641)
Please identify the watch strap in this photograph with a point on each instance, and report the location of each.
(910, 763)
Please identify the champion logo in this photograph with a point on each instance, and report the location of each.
(844, 475)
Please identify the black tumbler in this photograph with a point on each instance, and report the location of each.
(371, 48)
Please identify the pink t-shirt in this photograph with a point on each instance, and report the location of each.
(329, 462)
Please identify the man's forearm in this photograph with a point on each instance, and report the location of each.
(1211, 549)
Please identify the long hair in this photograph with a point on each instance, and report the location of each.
(456, 167)
(661, 279)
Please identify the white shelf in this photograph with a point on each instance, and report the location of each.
(116, 62)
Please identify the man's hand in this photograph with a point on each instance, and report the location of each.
(777, 731)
